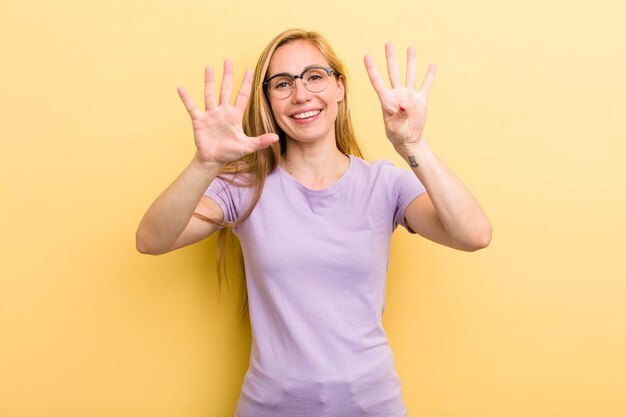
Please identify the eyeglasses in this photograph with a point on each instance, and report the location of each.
(314, 79)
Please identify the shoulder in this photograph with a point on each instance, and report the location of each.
(394, 179)
(381, 168)
(231, 185)
(375, 165)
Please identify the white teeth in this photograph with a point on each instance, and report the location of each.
(306, 115)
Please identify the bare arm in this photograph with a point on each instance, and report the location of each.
(447, 213)
(219, 138)
(169, 223)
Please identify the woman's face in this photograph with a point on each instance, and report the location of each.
(304, 116)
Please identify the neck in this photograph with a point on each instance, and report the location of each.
(314, 164)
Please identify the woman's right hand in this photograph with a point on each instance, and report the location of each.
(218, 131)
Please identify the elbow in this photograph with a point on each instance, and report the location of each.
(481, 238)
(144, 246)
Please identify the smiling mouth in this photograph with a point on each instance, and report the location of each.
(306, 114)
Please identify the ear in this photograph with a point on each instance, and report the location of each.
(341, 91)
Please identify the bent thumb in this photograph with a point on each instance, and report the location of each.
(402, 113)
(266, 139)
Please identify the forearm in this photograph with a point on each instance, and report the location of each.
(170, 213)
(458, 211)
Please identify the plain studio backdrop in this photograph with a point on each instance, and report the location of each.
(527, 108)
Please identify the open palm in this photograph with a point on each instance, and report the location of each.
(404, 107)
(218, 131)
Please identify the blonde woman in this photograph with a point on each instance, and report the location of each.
(281, 168)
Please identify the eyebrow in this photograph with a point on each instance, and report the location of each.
(291, 75)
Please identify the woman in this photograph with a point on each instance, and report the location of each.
(314, 221)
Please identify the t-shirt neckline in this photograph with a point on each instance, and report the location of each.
(333, 188)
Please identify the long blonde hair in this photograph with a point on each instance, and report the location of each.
(258, 119)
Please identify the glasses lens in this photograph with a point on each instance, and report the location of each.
(315, 79)
(280, 87)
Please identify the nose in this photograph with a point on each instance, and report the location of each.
(300, 93)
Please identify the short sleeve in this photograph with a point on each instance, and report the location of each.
(228, 196)
(404, 187)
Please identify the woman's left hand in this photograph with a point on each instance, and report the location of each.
(404, 108)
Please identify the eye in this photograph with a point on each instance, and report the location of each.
(281, 83)
(315, 75)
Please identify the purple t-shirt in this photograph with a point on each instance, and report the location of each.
(316, 265)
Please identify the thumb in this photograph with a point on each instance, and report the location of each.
(402, 113)
(265, 140)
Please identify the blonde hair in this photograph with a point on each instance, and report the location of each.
(258, 119)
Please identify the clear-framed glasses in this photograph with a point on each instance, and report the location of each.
(315, 79)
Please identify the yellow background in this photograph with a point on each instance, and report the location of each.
(527, 108)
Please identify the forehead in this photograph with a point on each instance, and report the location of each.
(294, 57)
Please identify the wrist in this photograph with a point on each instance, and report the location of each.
(210, 167)
(406, 150)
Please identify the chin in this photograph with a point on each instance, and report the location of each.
(307, 138)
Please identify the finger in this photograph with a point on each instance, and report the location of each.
(227, 83)
(253, 144)
(374, 75)
(392, 65)
(428, 81)
(265, 140)
(411, 75)
(244, 91)
(402, 114)
(189, 104)
(209, 89)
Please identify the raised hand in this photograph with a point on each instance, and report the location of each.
(404, 108)
(218, 131)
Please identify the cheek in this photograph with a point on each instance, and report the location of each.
(332, 104)
(280, 124)
(276, 113)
